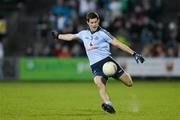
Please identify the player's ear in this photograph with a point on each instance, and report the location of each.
(87, 22)
(98, 21)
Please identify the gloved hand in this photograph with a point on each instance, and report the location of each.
(54, 34)
(138, 57)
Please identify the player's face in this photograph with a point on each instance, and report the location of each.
(93, 24)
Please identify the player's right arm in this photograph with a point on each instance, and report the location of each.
(66, 37)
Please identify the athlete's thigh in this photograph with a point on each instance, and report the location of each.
(126, 79)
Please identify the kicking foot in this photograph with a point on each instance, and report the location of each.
(108, 108)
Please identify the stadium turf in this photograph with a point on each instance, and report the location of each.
(80, 101)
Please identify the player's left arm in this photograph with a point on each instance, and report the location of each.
(117, 43)
(122, 46)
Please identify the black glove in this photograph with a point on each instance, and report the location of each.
(138, 57)
(54, 34)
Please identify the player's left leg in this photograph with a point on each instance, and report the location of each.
(122, 75)
(126, 79)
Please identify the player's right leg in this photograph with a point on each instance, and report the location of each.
(100, 80)
(101, 85)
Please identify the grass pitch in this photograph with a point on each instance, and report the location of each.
(81, 101)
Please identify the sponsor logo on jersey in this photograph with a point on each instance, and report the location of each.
(91, 46)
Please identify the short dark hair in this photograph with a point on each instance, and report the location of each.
(92, 15)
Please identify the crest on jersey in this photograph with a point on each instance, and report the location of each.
(90, 43)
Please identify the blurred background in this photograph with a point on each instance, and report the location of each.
(27, 51)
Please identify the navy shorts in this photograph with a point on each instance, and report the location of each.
(97, 69)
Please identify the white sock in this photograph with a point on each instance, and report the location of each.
(108, 102)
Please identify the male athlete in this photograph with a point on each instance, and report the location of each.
(97, 45)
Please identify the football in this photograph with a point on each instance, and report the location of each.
(109, 68)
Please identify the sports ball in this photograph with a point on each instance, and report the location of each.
(109, 68)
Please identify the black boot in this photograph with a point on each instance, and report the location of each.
(108, 108)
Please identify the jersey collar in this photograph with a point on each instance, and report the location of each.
(94, 31)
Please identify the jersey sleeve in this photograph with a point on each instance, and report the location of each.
(108, 37)
(79, 35)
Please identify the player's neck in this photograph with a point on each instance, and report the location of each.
(98, 28)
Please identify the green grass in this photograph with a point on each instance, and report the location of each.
(80, 101)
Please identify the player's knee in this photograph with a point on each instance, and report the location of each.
(99, 83)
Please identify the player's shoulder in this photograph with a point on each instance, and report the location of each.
(102, 29)
(83, 31)
(105, 32)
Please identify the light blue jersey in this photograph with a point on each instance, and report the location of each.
(97, 44)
